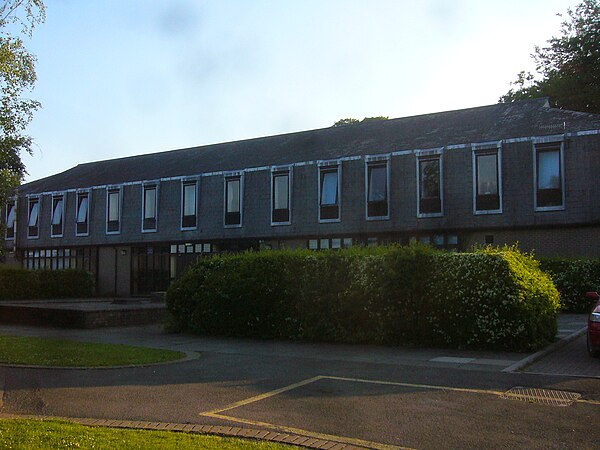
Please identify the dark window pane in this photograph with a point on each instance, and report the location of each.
(430, 199)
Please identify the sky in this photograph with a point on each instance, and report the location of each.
(125, 77)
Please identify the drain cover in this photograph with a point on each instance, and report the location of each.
(541, 396)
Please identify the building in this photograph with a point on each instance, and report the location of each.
(496, 174)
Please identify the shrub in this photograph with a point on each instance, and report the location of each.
(573, 278)
(22, 284)
(495, 298)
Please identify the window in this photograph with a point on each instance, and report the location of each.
(377, 190)
(329, 193)
(11, 219)
(113, 211)
(83, 213)
(58, 210)
(429, 187)
(149, 200)
(487, 181)
(33, 217)
(549, 194)
(280, 197)
(233, 201)
(188, 205)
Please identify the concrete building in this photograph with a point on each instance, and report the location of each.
(495, 174)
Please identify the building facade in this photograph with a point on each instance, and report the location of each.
(520, 172)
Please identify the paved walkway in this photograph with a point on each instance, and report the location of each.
(155, 336)
(570, 360)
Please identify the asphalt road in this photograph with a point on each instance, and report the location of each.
(401, 401)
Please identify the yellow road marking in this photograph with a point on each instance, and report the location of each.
(329, 437)
(265, 395)
(311, 434)
(420, 386)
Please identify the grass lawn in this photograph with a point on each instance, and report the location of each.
(66, 353)
(51, 434)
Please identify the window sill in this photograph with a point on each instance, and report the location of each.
(550, 208)
(233, 226)
(279, 224)
(150, 231)
(330, 220)
(377, 218)
(429, 215)
(81, 234)
(188, 228)
(113, 232)
(487, 212)
(56, 235)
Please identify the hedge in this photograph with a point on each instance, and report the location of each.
(22, 284)
(491, 299)
(573, 278)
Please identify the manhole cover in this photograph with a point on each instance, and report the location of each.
(541, 396)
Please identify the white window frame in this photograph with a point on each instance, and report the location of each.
(429, 155)
(80, 192)
(31, 199)
(549, 140)
(487, 148)
(13, 201)
(186, 182)
(226, 177)
(119, 190)
(150, 185)
(277, 171)
(328, 166)
(58, 196)
(376, 160)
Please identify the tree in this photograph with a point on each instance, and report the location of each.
(17, 75)
(350, 121)
(568, 69)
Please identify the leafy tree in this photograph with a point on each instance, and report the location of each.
(568, 69)
(17, 75)
(350, 121)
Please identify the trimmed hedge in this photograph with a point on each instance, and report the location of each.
(22, 284)
(493, 299)
(573, 278)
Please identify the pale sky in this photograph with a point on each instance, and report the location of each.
(125, 77)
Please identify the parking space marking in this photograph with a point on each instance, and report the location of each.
(342, 439)
(265, 395)
(311, 434)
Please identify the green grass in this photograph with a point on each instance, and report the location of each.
(53, 434)
(65, 353)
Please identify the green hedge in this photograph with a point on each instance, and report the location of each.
(22, 284)
(496, 299)
(573, 278)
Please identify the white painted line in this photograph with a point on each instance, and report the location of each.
(450, 359)
(494, 362)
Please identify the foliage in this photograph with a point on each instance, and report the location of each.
(17, 75)
(351, 121)
(568, 69)
(495, 298)
(29, 434)
(19, 284)
(66, 353)
(573, 278)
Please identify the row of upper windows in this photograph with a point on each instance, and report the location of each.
(487, 194)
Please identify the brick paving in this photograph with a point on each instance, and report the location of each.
(572, 360)
(224, 431)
